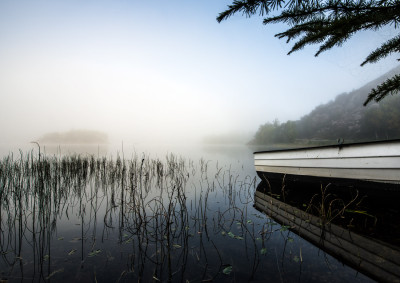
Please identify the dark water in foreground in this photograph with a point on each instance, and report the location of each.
(157, 216)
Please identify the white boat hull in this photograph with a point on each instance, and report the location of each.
(372, 162)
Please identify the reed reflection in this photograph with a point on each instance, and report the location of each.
(67, 217)
(339, 223)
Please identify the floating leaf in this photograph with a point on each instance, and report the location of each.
(94, 253)
(359, 212)
(177, 246)
(72, 252)
(223, 233)
(296, 258)
(238, 237)
(60, 238)
(227, 270)
(54, 272)
(284, 228)
(263, 251)
(46, 257)
(257, 215)
(230, 234)
(249, 221)
(290, 239)
(75, 240)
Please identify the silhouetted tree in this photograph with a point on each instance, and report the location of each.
(330, 23)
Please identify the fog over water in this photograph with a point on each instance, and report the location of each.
(160, 71)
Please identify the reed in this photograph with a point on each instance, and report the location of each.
(170, 219)
(329, 206)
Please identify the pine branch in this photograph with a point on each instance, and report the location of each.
(249, 8)
(338, 32)
(329, 23)
(311, 27)
(334, 29)
(332, 10)
(310, 38)
(393, 45)
(390, 86)
(261, 7)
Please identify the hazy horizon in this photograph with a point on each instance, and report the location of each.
(161, 71)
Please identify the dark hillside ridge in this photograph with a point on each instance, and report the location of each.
(345, 117)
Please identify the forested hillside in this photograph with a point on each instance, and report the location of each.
(345, 117)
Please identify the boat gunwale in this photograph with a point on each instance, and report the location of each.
(330, 146)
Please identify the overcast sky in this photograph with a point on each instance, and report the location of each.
(160, 70)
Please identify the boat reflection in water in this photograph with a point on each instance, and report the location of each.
(365, 238)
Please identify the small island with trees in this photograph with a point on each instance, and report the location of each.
(75, 137)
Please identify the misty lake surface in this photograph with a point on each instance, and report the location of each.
(146, 213)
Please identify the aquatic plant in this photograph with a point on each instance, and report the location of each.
(163, 220)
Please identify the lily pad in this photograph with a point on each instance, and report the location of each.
(227, 270)
(284, 228)
(94, 253)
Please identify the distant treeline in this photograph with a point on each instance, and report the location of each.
(232, 138)
(343, 118)
(75, 137)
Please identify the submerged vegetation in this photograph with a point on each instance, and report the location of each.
(87, 218)
(364, 212)
(138, 212)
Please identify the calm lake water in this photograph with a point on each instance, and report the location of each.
(148, 213)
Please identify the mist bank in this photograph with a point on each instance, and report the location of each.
(227, 138)
(344, 119)
(74, 137)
